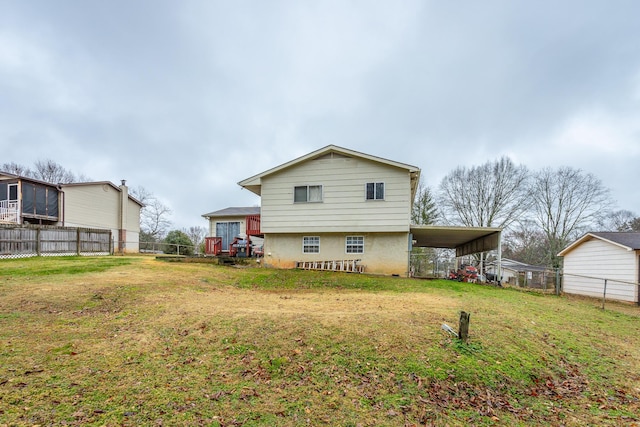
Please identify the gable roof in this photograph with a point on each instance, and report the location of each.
(109, 183)
(627, 240)
(254, 183)
(234, 211)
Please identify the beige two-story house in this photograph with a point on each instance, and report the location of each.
(98, 205)
(337, 204)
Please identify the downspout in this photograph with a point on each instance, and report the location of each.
(122, 231)
(61, 205)
(499, 276)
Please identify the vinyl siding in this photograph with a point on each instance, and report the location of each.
(133, 217)
(98, 206)
(95, 206)
(384, 253)
(586, 267)
(344, 207)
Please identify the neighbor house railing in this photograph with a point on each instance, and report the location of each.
(9, 211)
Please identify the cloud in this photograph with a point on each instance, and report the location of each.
(187, 99)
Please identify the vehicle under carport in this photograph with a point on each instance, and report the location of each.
(465, 240)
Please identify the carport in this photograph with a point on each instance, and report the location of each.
(465, 240)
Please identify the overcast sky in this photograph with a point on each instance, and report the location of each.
(186, 98)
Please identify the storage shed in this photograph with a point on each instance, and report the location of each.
(600, 259)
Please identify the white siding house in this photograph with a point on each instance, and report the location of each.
(229, 223)
(596, 257)
(337, 204)
(104, 205)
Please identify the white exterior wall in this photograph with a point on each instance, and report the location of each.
(602, 260)
(344, 207)
(384, 253)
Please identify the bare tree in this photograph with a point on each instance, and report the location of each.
(567, 202)
(16, 169)
(491, 195)
(524, 241)
(50, 171)
(196, 235)
(154, 216)
(621, 220)
(425, 210)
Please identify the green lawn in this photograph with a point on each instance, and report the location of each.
(137, 341)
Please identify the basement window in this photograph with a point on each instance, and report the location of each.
(354, 245)
(311, 245)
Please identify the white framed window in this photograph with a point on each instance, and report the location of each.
(354, 244)
(311, 245)
(307, 193)
(374, 190)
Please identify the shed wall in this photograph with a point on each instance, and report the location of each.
(586, 267)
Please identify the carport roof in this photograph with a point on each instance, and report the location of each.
(465, 240)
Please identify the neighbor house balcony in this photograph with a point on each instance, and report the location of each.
(9, 213)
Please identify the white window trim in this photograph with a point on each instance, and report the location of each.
(309, 185)
(310, 245)
(384, 186)
(346, 245)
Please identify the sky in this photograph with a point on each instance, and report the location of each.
(187, 98)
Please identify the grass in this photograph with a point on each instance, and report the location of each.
(136, 341)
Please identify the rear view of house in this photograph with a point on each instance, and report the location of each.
(337, 204)
(605, 258)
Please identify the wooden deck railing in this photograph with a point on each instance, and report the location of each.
(253, 225)
(213, 245)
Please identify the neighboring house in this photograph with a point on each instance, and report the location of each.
(100, 205)
(337, 204)
(522, 274)
(28, 201)
(229, 223)
(104, 205)
(599, 258)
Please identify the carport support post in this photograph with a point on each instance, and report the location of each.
(463, 329)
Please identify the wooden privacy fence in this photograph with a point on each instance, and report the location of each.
(28, 241)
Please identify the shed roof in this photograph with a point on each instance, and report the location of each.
(624, 239)
(254, 183)
(234, 211)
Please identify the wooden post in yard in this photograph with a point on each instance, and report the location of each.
(463, 329)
